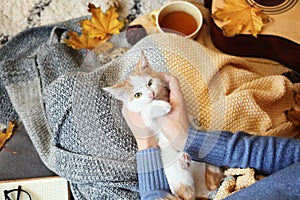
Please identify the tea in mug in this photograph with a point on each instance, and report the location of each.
(179, 21)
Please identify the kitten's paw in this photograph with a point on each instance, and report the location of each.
(160, 108)
(167, 107)
(185, 161)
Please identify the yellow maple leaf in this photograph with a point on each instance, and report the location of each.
(4, 136)
(96, 31)
(83, 41)
(102, 24)
(240, 16)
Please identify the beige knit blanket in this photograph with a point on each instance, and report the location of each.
(231, 93)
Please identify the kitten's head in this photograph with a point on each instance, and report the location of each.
(141, 87)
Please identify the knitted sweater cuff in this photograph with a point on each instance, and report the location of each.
(150, 170)
(209, 147)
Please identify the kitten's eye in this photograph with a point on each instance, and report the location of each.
(150, 82)
(137, 95)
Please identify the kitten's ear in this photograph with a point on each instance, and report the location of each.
(143, 63)
(117, 92)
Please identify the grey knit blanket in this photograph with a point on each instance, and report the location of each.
(77, 129)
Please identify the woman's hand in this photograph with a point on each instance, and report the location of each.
(175, 124)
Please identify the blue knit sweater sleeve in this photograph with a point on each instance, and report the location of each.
(265, 154)
(153, 183)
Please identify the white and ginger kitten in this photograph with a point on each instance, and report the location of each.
(145, 92)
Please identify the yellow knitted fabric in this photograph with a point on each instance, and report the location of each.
(223, 93)
(226, 92)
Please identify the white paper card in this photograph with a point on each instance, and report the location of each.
(48, 188)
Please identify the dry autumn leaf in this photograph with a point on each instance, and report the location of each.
(96, 31)
(4, 137)
(83, 41)
(101, 25)
(239, 16)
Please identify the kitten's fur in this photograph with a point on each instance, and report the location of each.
(145, 92)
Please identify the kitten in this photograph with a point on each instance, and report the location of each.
(145, 92)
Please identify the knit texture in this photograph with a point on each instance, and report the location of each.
(226, 92)
(205, 147)
(78, 129)
(151, 165)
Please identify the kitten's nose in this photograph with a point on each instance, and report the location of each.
(151, 95)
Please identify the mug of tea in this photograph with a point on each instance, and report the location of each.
(178, 17)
